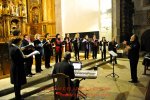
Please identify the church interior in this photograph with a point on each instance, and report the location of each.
(112, 19)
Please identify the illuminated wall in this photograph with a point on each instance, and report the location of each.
(80, 15)
(87, 15)
(106, 19)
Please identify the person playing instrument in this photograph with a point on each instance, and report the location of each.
(103, 44)
(47, 50)
(86, 47)
(113, 47)
(77, 46)
(132, 48)
(94, 47)
(58, 48)
(27, 49)
(66, 68)
(38, 58)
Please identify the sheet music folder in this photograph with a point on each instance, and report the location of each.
(113, 53)
(77, 65)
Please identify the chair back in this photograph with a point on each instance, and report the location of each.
(61, 84)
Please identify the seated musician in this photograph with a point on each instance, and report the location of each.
(66, 68)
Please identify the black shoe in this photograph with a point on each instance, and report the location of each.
(41, 70)
(38, 72)
(133, 81)
(29, 75)
(47, 67)
(32, 74)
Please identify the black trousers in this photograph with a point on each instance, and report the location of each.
(38, 62)
(103, 54)
(77, 54)
(58, 56)
(17, 89)
(94, 53)
(47, 60)
(28, 65)
(133, 68)
(86, 55)
(111, 59)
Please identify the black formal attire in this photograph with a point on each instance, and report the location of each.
(133, 55)
(103, 45)
(58, 50)
(17, 71)
(77, 47)
(86, 45)
(28, 61)
(94, 44)
(67, 69)
(47, 52)
(38, 57)
(113, 47)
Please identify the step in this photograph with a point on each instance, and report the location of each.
(30, 90)
(43, 77)
(30, 82)
(85, 68)
(38, 78)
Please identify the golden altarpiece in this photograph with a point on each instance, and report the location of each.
(28, 16)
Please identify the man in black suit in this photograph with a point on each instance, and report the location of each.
(17, 71)
(48, 50)
(113, 47)
(66, 68)
(133, 48)
(94, 44)
(26, 51)
(17, 58)
(86, 44)
(103, 44)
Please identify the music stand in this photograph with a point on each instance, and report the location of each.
(114, 55)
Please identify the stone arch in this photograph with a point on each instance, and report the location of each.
(35, 11)
(145, 41)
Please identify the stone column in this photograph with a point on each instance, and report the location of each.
(116, 19)
(44, 10)
(58, 17)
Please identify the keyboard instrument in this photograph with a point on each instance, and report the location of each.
(89, 74)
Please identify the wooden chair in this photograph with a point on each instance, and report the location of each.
(62, 89)
(147, 96)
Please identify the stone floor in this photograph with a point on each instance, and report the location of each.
(106, 88)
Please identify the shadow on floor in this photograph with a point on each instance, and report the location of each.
(121, 66)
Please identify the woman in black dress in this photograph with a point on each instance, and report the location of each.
(38, 58)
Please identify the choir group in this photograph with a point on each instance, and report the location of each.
(45, 47)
